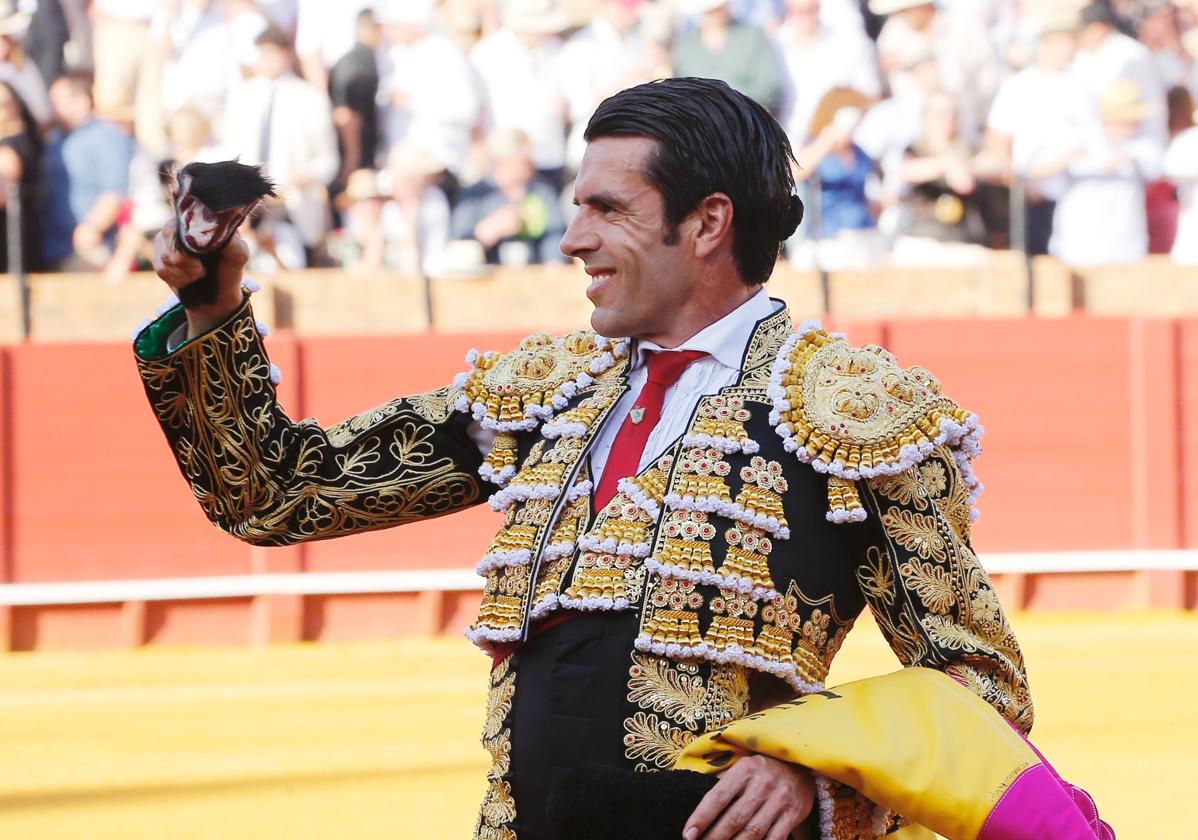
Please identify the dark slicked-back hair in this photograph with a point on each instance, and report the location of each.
(710, 139)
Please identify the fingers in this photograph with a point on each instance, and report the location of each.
(175, 268)
(233, 260)
(730, 785)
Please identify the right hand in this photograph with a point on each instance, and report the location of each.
(178, 269)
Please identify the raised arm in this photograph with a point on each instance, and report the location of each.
(268, 480)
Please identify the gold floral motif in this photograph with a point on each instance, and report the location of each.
(435, 406)
(498, 811)
(654, 741)
(271, 481)
(914, 532)
(906, 488)
(930, 582)
(674, 690)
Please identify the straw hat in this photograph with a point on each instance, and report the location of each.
(1122, 102)
(362, 185)
(1059, 17)
(889, 7)
(543, 17)
(12, 22)
(412, 159)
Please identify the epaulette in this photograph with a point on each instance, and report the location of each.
(518, 391)
(853, 413)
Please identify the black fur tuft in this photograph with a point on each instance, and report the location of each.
(227, 184)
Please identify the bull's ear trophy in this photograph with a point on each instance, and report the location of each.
(211, 201)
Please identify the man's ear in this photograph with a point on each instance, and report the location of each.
(712, 224)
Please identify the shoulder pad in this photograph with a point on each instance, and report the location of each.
(519, 390)
(853, 413)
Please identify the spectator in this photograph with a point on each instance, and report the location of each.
(521, 75)
(359, 243)
(1106, 55)
(1157, 29)
(606, 56)
(279, 120)
(85, 180)
(46, 40)
(20, 152)
(723, 48)
(968, 62)
(513, 214)
(892, 125)
(189, 138)
(1101, 217)
(324, 32)
(22, 75)
(427, 89)
(353, 88)
(1033, 122)
(817, 59)
(938, 170)
(841, 209)
(1181, 166)
(128, 71)
(207, 49)
(416, 215)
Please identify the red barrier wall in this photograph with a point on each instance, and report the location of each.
(1091, 443)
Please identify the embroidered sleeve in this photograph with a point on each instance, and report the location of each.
(930, 595)
(271, 481)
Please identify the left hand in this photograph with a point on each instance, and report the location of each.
(758, 798)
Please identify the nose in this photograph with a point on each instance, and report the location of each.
(580, 237)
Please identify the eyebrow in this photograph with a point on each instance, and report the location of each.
(603, 199)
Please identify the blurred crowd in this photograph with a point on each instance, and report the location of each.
(442, 137)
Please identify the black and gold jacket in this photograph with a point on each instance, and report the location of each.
(825, 479)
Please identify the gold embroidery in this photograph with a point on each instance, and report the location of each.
(498, 810)
(270, 481)
(914, 532)
(654, 741)
(931, 583)
(904, 488)
(676, 691)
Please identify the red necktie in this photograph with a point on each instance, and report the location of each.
(624, 460)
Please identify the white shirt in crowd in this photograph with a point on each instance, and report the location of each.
(523, 91)
(326, 28)
(292, 122)
(1181, 167)
(1123, 57)
(837, 58)
(596, 62)
(139, 11)
(206, 55)
(724, 342)
(1044, 114)
(431, 234)
(1101, 216)
(442, 101)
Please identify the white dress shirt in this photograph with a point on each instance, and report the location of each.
(724, 342)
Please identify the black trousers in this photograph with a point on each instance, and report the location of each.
(568, 710)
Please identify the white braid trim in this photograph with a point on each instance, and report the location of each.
(543, 607)
(638, 497)
(498, 559)
(593, 604)
(276, 375)
(739, 584)
(499, 477)
(166, 306)
(975, 487)
(611, 546)
(502, 500)
(840, 517)
(558, 428)
(823, 794)
(482, 635)
(250, 286)
(724, 444)
(261, 327)
(558, 550)
(732, 655)
(729, 510)
(582, 488)
(141, 325)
